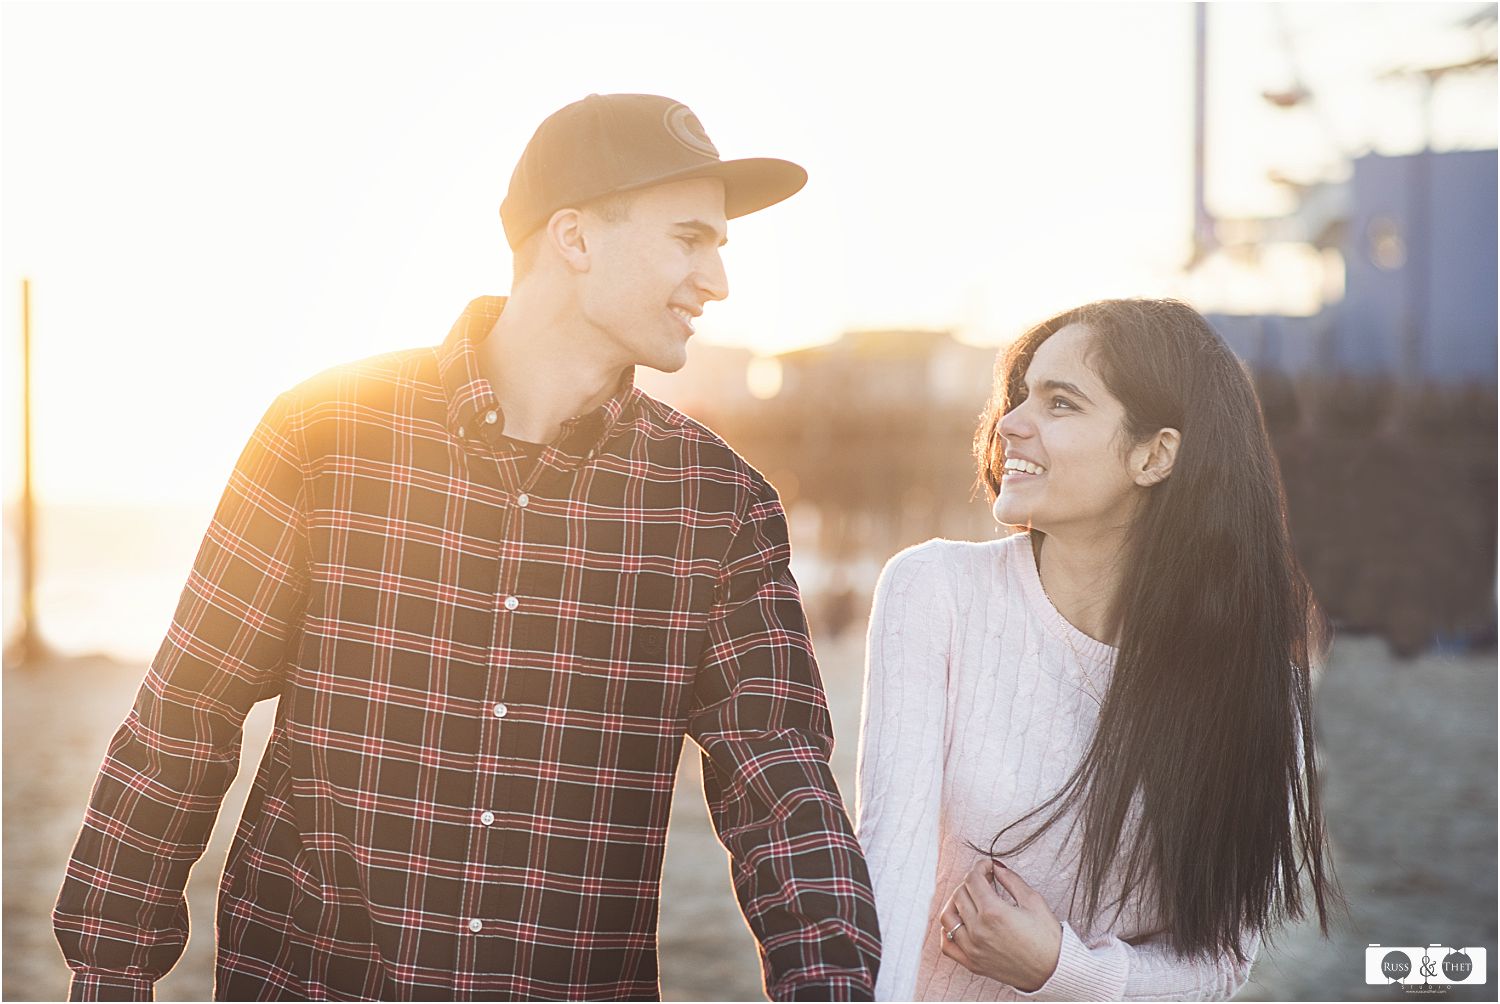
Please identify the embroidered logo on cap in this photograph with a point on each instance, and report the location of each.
(683, 126)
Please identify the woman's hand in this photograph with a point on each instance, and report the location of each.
(983, 931)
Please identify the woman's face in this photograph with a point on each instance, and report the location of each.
(1066, 467)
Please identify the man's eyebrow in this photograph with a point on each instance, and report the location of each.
(1049, 386)
(704, 230)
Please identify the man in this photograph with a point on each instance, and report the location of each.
(493, 585)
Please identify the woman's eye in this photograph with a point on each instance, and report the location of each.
(1062, 402)
(689, 241)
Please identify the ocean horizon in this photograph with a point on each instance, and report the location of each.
(108, 577)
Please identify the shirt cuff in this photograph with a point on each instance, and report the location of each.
(109, 987)
(1081, 975)
(833, 988)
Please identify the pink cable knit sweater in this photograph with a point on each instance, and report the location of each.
(979, 702)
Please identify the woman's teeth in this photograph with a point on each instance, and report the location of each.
(684, 315)
(1024, 467)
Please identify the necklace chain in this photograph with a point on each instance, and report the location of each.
(1092, 690)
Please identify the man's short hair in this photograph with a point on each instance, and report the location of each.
(612, 208)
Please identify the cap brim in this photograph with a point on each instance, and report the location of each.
(750, 184)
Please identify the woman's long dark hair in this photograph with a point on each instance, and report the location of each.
(1208, 715)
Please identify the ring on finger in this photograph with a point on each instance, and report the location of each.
(953, 930)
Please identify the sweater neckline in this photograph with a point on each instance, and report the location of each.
(1095, 651)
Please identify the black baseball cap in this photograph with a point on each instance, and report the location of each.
(610, 143)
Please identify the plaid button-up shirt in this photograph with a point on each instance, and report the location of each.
(485, 670)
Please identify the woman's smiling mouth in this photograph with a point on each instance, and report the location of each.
(1016, 467)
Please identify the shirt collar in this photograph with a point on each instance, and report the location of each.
(471, 397)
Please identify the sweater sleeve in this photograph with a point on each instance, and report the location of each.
(901, 755)
(1149, 970)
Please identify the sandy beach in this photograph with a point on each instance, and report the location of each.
(1408, 752)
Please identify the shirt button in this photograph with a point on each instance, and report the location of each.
(511, 603)
(487, 818)
(490, 418)
(460, 432)
(476, 925)
(523, 500)
(501, 711)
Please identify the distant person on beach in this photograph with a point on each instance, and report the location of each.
(1086, 770)
(493, 585)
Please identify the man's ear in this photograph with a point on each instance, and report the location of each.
(565, 233)
(1153, 460)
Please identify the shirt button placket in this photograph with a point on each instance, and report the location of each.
(498, 710)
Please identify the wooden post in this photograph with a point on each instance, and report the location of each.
(29, 650)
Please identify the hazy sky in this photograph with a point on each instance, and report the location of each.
(215, 201)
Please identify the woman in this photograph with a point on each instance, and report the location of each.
(1086, 768)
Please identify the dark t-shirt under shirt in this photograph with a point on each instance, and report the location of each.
(533, 452)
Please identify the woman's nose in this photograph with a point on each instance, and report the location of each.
(1016, 423)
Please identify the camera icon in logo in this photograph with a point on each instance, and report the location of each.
(1418, 965)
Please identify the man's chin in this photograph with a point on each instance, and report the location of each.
(666, 363)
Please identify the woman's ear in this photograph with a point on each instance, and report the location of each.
(1152, 461)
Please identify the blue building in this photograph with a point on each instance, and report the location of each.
(1419, 245)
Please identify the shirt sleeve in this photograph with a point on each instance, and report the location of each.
(1148, 970)
(762, 721)
(121, 917)
(901, 757)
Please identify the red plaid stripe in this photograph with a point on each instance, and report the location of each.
(373, 568)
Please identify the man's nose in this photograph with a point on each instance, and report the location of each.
(712, 279)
